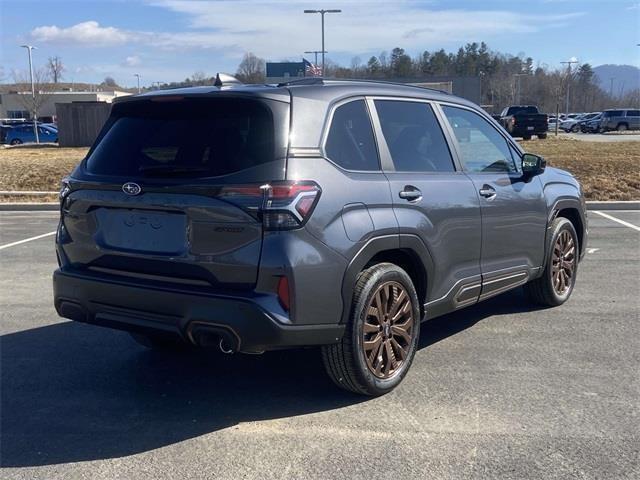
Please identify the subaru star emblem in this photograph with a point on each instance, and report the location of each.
(131, 188)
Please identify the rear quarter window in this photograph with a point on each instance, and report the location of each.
(350, 142)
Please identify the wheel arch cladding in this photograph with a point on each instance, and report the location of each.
(410, 254)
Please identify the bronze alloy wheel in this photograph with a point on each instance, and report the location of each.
(563, 263)
(388, 330)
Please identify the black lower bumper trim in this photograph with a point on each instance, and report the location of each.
(242, 323)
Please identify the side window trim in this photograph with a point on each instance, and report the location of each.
(326, 128)
(511, 144)
(383, 149)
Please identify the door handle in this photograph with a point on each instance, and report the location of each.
(487, 191)
(410, 193)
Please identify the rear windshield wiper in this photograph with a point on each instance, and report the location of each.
(170, 169)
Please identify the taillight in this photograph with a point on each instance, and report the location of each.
(288, 205)
(282, 205)
(283, 293)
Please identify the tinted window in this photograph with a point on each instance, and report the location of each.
(633, 113)
(522, 110)
(416, 142)
(613, 113)
(350, 142)
(186, 138)
(482, 148)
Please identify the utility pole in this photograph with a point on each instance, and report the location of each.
(322, 12)
(568, 63)
(611, 79)
(33, 93)
(137, 75)
(316, 52)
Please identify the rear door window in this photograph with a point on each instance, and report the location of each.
(350, 141)
(633, 113)
(416, 142)
(190, 138)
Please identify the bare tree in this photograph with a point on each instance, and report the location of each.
(251, 69)
(56, 68)
(199, 78)
(42, 89)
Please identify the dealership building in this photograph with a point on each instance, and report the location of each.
(15, 104)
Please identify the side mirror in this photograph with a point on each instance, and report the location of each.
(532, 165)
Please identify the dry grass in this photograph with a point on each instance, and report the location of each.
(36, 169)
(607, 171)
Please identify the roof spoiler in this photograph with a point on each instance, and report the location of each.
(223, 79)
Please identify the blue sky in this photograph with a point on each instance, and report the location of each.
(168, 40)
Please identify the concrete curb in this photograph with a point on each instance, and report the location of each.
(29, 206)
(614, 205)
(53, 206)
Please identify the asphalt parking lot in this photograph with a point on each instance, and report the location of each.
(499, 390)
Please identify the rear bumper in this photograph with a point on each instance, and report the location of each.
(201, 319)
(522, 131)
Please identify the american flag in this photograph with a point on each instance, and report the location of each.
(311, 69)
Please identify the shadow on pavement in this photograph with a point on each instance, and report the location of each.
(73, 392)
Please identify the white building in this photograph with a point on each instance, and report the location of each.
(16, 104)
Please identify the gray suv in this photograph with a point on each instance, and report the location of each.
(332, 213)
(620, 120)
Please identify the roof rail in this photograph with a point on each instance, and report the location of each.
(223, 79)
(303, 81)
(386, 82)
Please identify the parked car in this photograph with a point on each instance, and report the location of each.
(620, 120)
(315, 212)
(4, 129)
(592, 125)
(524, 121)
(25, 134)
(574, 124)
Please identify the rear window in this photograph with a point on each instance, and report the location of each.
(522, 110)
(192, 138)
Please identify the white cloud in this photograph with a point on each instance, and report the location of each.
(132, 61)
(88, 33)
(278, 29)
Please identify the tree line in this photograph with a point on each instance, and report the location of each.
(505, 79)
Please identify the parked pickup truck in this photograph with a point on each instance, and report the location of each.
(524, 121)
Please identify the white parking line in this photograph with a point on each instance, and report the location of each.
(621, 222)
(19, 242)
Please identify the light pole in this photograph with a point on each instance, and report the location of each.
(137, 75)
(322, 12)
(33, 93)
(568, 63)
(315, 52)
(518, 75)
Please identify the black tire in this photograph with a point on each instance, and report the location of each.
(16, 141)
(542, 290)
(622, 127)
(542, 136)
(526, 137)
(157, 342)
(346, 362)
(575, 128)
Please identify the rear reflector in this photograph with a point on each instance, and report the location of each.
(283, 292)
